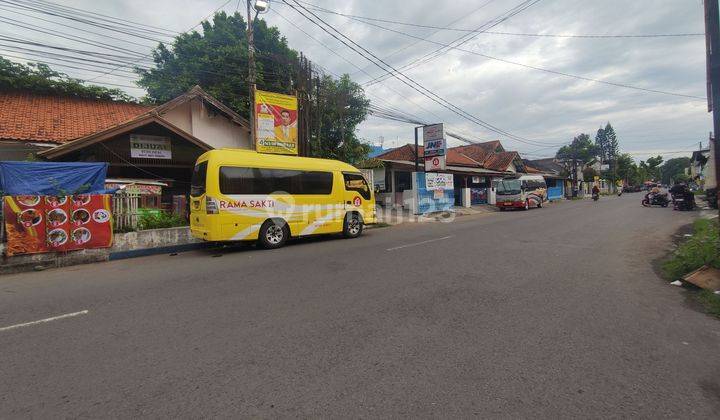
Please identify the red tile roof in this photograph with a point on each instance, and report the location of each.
(479, 155)
(500, 161)
(57, 119)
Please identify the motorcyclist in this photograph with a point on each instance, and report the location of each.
(595, 191)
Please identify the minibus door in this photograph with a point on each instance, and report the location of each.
(357, 192)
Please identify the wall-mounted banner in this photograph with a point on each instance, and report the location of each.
(276, 123)
(435, 181)
(434, 140)
(150, 147)
(434, 163)
(46, 223)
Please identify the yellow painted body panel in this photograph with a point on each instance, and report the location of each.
(240, 216)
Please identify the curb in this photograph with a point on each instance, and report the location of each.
(121, 255)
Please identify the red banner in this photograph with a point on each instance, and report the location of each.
(36, 224)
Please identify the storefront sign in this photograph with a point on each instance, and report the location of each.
(435, 181)
(434, 140)
(36, 224)
(435, 163)
(276, 128)
(149, 147)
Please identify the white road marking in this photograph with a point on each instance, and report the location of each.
(42, 321)
(419, 243)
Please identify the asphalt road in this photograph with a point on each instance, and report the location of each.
(555, 312)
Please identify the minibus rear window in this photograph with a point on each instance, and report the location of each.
(197, 182)
(235, 180)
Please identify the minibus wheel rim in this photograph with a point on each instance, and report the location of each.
(274, 234)
(354, 226)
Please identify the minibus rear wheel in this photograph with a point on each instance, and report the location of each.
(353, 225)
(273, 234)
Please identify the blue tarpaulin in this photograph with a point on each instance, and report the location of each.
(52, 178)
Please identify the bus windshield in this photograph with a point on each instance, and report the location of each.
(508, 187)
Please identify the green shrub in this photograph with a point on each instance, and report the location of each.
(159, 220)
(701, 249)
(711, 301)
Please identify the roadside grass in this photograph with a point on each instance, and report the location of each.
(703, 248)
(381, 225)
(710, 301)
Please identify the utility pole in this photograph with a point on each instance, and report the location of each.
(417, 159)
(712, 42)
(251, 74)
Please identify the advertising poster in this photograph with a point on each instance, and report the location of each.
(434, 163)
(36, 223)
(435, 181)
(434, 143)
(276, 128)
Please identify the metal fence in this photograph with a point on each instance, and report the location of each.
(125, 211)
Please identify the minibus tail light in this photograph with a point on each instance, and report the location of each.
(211, 206)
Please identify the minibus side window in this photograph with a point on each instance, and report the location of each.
(262, 181)
(356, 182)
(199, 177)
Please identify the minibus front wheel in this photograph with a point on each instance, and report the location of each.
(273, 234)
(353, 225)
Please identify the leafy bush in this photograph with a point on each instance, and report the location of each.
(701, 249)
(711, 301)
(160, 220)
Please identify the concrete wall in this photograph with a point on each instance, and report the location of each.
(214, 129)
(153, 238)
(125, 245)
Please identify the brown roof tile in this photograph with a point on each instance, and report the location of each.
(58, 119)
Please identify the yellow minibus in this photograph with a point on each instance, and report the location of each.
(242, 195)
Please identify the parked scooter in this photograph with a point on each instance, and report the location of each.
(660, 199)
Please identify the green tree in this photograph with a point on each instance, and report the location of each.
(608, 149)
(217, 60)
(342, 106)
(674, 169)
(650, 169)
(627, 170)
(40, 78)
(577, 154)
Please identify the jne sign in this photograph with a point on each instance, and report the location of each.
(150, 147)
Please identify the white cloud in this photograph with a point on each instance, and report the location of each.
(526, 102)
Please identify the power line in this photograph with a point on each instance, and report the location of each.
(407, 80)
(559, 73)
(95, 19)
(193, 27)
(521, 7)
(74, 38)
(390, 112)
(463, 16)
(448, 28)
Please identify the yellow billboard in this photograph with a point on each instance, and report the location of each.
(276, 123)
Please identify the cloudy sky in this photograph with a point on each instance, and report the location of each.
(543, 109)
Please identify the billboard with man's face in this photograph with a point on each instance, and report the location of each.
(276, 127)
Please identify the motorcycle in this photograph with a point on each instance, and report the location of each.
(595, 196)
(684, 202)
(656, 200)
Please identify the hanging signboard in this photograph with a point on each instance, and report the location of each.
(37, 223)
(276, 123)
(436, 181)
(434, 140)
(150, 147)
(434, 163)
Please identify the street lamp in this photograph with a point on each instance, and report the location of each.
(261, 6)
